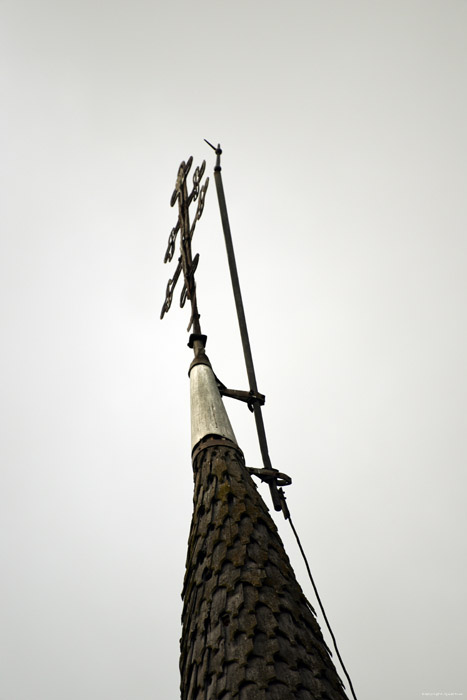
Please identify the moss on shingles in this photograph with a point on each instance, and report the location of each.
(248, 631)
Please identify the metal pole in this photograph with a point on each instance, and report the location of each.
(242, 324)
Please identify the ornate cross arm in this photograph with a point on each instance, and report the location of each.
(186, 263)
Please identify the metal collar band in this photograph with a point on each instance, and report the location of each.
(199, 360)
(216, 442)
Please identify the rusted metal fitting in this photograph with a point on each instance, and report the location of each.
(275, 480)
(269, 475)
(200, 359)
(249, 397)
(197, 336)
(216, 441)
(218, 151)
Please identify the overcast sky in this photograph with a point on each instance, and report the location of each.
(344, 165)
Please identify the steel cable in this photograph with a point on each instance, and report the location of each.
(321, 606)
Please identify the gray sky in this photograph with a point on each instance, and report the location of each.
(343, 129)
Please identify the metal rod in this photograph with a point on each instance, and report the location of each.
(242, 324)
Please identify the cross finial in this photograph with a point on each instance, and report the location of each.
(186, 263)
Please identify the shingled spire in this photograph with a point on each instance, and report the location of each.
(248, 631)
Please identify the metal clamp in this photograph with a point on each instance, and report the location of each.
(274, 479)
(249, 397)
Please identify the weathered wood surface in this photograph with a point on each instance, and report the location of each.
(248, 631)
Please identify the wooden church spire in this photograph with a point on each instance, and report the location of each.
(248, 632)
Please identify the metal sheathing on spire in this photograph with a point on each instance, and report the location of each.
(208, 414)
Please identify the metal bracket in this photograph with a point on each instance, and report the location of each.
(274, 479)
(268, 475)
(249, 397)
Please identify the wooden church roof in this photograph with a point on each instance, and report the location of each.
(248, 631)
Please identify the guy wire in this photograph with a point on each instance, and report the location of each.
(277, 494)
(321, 606)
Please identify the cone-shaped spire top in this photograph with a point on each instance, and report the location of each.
(208, 415)
(248, 630)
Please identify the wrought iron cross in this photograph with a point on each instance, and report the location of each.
(186, 263)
